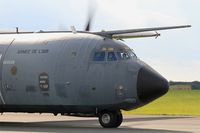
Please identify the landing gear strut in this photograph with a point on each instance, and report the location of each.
(110, 119)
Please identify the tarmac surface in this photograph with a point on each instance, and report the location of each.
(15, 123)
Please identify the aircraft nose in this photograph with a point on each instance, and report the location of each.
(150, 85)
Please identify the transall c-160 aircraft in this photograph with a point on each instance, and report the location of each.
(78, 73)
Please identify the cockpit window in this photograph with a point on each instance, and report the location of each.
(132, 54)
(123, 55)
(99, 56)
(111, 56)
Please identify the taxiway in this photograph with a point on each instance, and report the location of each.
(15, 123)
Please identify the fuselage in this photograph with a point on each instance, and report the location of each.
(73, 73)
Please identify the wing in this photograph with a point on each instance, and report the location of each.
(135, 33)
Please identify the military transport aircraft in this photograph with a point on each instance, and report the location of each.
(78, 73)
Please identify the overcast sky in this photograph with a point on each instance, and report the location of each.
(176, 54)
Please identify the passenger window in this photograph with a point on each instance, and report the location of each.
(99, 56)
(111, 56)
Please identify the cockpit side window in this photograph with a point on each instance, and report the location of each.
(111, 56)
(132, 54)
(99, 56)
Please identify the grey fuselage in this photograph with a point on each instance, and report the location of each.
(57, 73)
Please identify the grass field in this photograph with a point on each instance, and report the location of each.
(175, 102)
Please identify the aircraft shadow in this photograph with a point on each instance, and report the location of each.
(81, 126)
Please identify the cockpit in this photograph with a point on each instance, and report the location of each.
(113, 54)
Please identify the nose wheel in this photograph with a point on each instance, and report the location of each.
(110, 119)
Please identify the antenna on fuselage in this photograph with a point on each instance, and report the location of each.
(17, 30)
(73, 29)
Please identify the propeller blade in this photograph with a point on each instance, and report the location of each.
(88, 26)
(91, 13)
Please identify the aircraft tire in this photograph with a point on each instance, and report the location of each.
(119, 119)
(110, 119)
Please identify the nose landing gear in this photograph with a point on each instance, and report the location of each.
(110, 119)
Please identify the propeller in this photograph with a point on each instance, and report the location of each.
(89, 21)
(91, 13)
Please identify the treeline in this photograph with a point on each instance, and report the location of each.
(195, 85)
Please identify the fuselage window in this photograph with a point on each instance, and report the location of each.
(111, 56)
(99, 56)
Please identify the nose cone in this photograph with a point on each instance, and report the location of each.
(150, 85)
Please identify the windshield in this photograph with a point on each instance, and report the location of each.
(125, 55)
(113, 54)
(99, 56)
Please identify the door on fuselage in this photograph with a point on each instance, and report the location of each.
(66, 73)
(4, 45)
